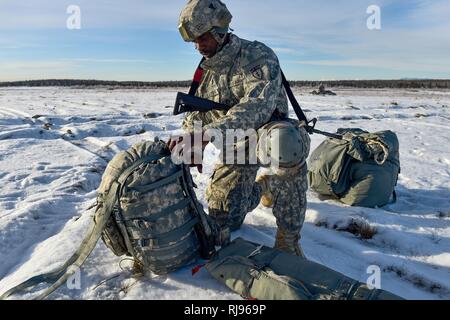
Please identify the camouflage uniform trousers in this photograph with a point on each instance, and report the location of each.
(232, 193)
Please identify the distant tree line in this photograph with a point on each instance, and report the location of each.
(94, 83)
(375, 84)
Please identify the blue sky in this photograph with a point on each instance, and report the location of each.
(138, 39)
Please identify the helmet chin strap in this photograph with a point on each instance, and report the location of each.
(220, 35)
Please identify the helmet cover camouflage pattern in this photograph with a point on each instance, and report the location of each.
(201, 16)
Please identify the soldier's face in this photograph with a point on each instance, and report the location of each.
(206, 45)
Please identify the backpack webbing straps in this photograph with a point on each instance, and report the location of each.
(156, 216)
(166, 238)
(203, 228)
(118, 211)
(160, 183)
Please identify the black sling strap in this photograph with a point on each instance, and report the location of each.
(310, 125)
(298, 110)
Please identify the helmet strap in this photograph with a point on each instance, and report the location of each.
(220, 35)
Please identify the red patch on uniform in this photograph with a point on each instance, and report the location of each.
(198, 75)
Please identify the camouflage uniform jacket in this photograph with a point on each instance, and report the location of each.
(246, 76)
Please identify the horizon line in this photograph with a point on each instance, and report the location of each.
(188, 80)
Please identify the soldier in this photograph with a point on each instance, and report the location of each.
(246, 76)
(322, 89)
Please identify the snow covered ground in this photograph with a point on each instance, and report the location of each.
(56, 142)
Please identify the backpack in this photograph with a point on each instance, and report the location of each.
(147, 209)
(262, 273)
(157, 218)
(361, 169)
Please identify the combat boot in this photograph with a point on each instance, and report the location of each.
(288, 242)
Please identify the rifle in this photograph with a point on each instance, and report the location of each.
(189, 103)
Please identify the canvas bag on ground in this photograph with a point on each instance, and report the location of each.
(360, 170)
(259, 272)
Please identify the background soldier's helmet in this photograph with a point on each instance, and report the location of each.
(201, 16)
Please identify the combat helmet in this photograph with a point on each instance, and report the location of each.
(201, 16)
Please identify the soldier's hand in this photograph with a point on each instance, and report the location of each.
(173, 141)
(185, 143)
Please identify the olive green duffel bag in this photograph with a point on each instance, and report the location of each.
(258, 272)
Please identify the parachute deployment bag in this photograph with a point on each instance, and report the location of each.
(361, 169)
(258, 272)
(146, 208)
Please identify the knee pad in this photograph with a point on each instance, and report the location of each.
(283, 144)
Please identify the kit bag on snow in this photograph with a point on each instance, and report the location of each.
(258, 272)
(361, 169)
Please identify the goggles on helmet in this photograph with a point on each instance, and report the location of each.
(185, 33)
